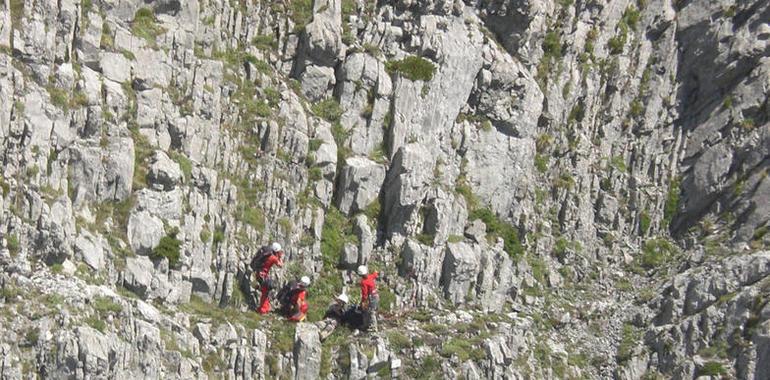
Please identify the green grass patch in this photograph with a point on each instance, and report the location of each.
(218, 315)
(13, 244)
(672, 201)
(412, 68)
(656, 252)
(464, 349)
(328, 109)
(496, 227)
(106, 305)
(712, 369)
(97, 323)
(629, 338)
(644, 222)
(145, 25)
(169, 248)
(541, 162)
(301, 12)
(184, 164)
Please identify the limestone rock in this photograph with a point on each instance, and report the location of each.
(360, 182)
(307, 352)
(164, 173)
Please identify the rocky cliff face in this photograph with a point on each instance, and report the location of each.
(550, 189)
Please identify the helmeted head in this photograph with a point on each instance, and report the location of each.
(362, 270)
(343, 298)
(276, 247)
(305, 280)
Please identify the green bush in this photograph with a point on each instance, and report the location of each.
(145, 25)
(105, 305)
(265, 42)
(541, 162)
(412, 68)
(168, 247)
(13, 244)
(97, 323)
(219, 236)
(618, 42)
(551, 45)
(465, 349)
(328, 109)
(252, 216)
(656, 252)
(644, 222)
(59, 97)
(301, 12)
(629, 338)
(631, 16)
(712, 369)
(184, 164)
(498, 228)
(672, 201)
(336, 231)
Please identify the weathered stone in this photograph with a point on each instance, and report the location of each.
(144, 231)
(307, 352)
(164, 173)
(360, 183)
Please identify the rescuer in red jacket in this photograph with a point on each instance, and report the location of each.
(370, 299)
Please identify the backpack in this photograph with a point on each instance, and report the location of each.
(260, 258)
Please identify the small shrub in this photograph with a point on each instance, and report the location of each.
(168, 247)
(618, 42)
(265, 42)
(552, 45)
(205, 235)
(644, 222)
(13, 244)
(301, 12)
(498, 228)
(219, 236)
(631, 17)
(628, 341)
(184, 164)
(672, 201)
(541, 162)
(426, 239)
(106, 305)
(145, 25)
(398, 341)
(252, 216)
(464, 349)
(712, 369)
(619, 163)
(32, 335)
(328, 109)
(412, 67)
(97, 323)
(59, 97)
(656, 252)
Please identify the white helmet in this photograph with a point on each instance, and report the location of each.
(305, 280)
(275, 247)
(343, 297)
(362, 270)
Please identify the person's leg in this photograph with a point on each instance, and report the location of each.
(374, 303)
(264, 301)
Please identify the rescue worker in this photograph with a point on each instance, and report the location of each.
(262, 263)
(370, 299)
(298, 298)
